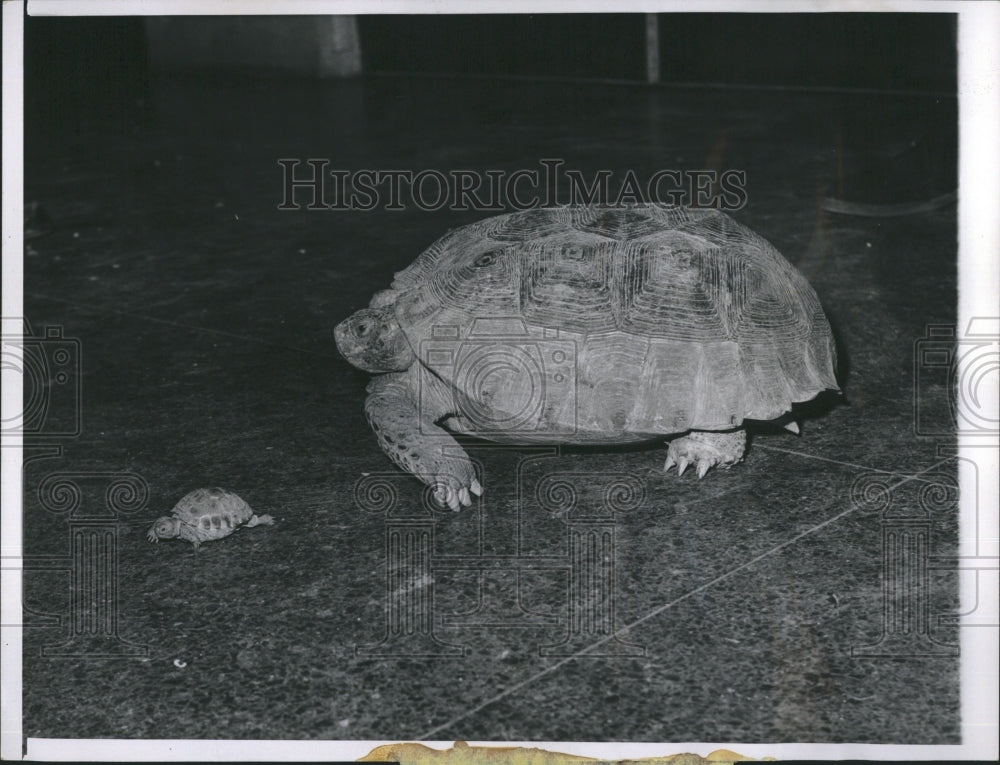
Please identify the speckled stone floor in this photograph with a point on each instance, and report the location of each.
(204, 317)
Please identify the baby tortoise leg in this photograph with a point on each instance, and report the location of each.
(260, 520)
(419, 446)
(189, 533)
(706, 449)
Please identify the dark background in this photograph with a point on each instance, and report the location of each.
(88, 66)
(868, 50)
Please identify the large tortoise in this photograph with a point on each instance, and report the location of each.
(587, 325)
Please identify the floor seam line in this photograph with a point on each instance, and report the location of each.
(806, 455)
(660, 609)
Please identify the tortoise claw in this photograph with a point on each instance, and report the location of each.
(449, 493)
(705, 450)
(446, 495)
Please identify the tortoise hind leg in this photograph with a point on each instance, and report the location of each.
(706, 449)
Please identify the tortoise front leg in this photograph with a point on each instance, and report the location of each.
(419, 446)
(706, 449)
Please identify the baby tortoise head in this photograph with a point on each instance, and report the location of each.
(164, 528)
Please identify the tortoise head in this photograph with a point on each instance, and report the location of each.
(164, 528)
(372, 339)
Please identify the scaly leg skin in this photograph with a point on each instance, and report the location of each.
(417, 445)
(706, 449)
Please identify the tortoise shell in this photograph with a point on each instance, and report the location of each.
(204, 515)
(598, 324)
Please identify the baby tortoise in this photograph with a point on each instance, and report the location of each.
(204, 515)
